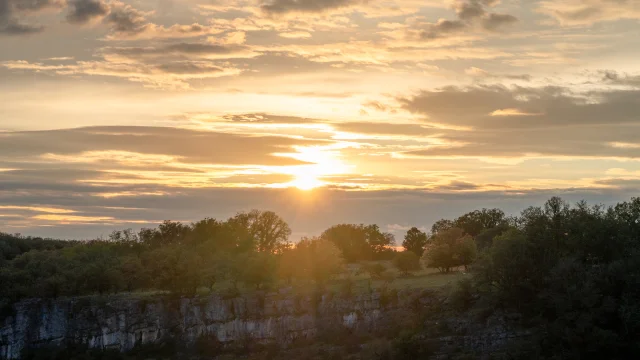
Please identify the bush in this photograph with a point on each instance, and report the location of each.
(375, 270)
(407, 262)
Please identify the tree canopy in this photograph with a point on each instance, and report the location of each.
(415, 241)
(359, 242)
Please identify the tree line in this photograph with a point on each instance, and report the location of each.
(568, 274)
(250, 248)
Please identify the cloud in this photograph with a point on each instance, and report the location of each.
(473, 15)
(527, 122)
(512, 112)
(12, 12)
(126, 19)
(305, 6)
(162, 67)
(11, 27)
(588, 12)
(560, 105)
(459, 186)
(84, 11)
(495, 22)
(378, 106)
(205, 50)
(371, 128)
(484, 74)
(616, 78)
(295, 35)
(264, 118)
(189, 146)
(37, 209)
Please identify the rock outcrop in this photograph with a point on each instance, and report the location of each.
(125, 322)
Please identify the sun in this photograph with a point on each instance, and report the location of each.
(306, 182)
(323, 162)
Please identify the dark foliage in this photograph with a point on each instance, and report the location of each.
(360, 242)
(573, 273)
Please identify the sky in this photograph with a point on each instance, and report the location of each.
(120, 114)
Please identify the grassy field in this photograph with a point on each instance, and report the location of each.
(425, 278)
(354, 277)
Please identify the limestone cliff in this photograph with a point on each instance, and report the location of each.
(124, 322)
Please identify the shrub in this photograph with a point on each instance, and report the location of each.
(407, 262)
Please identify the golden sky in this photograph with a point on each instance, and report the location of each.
(125, 113)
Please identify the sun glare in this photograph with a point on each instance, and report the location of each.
(306, 182)
(325, 162)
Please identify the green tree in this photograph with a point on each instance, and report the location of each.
(289, 265)
(415, 241)
(407, 262)
(134, 274)
(269, 231)
(359, 242)
(473, 223)
(176, 269)
(214, 269)
(441, 225)
(450, 248)
(467, 251)
(256, 269)
(324, 260)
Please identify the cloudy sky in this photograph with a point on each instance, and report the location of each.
(118, 114)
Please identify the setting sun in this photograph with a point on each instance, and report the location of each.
(324, 161)
(306, 182)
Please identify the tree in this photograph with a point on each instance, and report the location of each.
(485, 238)
(375, 269)
(441, 225)
(351, 240)
(358, 242)
(126, 236)
(214, 269)
(473, 223)
(255, 269)
(269, 231)
(324, 260)
(467, 251)
(406, 262)
(167, 233)
(211, 231)
(415, 241)
(378, 241)
(450, 248)
(312, 259)
(289, 265)
(134, 274)
(176, 269)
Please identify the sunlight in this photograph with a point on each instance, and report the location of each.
(325, 161)
(306, 182)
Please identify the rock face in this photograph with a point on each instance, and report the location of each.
(125, 322)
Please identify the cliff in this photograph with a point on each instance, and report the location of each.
(123, 323)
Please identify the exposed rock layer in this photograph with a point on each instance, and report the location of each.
(125, 322)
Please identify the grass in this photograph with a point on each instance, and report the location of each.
(361, 283)
(422, 279)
